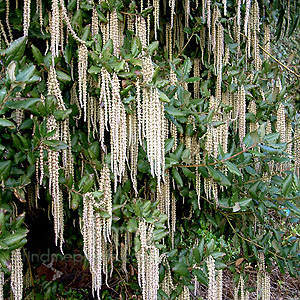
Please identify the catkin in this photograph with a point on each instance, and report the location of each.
(1, 285)
(16, 278)
(148, 262)
(26, 16)
(211, 294)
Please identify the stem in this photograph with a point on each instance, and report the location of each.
(249, 241)
(185, 45)
(30, 272)
(215, 163)
(279, 62)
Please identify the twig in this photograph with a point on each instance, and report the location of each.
(185, 45)
(215, 163)
(273, 57)
(249, 241)
(30, 272)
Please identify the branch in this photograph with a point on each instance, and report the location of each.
(249, 241)
(273, 57)
(185, 45)
(215, 163)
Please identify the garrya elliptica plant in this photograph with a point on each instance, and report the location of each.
(165, 131)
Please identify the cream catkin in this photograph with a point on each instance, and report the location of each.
(1, 285)
(95, 22)
(118, 131)
(7, 20)
(148, 262)
(26, 17)
(296, 146)
(219, 285)
(167, 284)
(185, 294)
(156, 17)
(114, 32)
(172, 6)
(164, 198)
(54, 189)
(16, 277)
(242, 113)
(82, 80)
(211, 294)
(55, 29)
(96, 230)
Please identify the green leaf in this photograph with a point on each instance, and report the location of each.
(61, 115)
(147, 11)
(213, 173)
(62, 76)
(16, 49)
(4, 258)
(5, 167)
(37, 54)
(94, 70)
(177, 177)
(132, 225)
(13, 239)
(202, 278)
(23, 104)
(163, 97)
(197, 255)
(187, 66)
(232, 168)
(86, 183)
(287, 184)
(192, 79)
(188, 173)
(55, 144)
(181, 269)
(169, 143)
(136, 46)
(104, 214)
(159, 234)
(153, 47)
(94, 150)
(7, 123)
(175, 112)
(170, 161)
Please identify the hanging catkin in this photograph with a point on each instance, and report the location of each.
(164, 198)
(114, 32)
(82, 80)
(95, 22)
(16, 277)
(118, 131)
(172, 6)
(54, 189)
(1, 285)
(296, 146)
(55, 29)
(267, 40)
(219, 285)
(148, 262)
(156, 17)
(26, 17)
(211, 294)
(242, 113)
(167, 284)
(185, 294)
(96, 230)
(7, 20)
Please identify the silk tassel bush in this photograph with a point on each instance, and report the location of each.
(124, 126)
